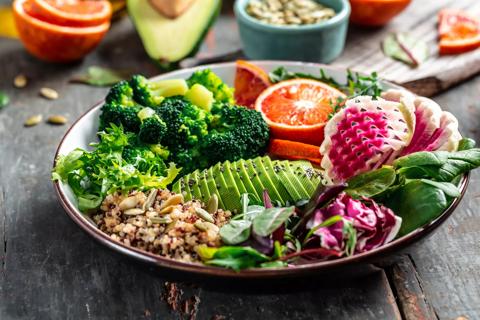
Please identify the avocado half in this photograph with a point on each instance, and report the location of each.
(168, 41)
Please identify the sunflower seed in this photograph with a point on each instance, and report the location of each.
(33, 120)
(49, 93)
(167, 209)
(57, 119)
(128, 203)
(133, 212)
(204, 215)
(173, 200)
(20, 81)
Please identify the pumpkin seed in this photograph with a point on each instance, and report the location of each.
(204, 215)
(161, 220)
(212, 205)
(205, 226)
(150, 199)
(33, 120)
(167, 209)
(57, 119)
(20, 81)
(133, 212)
(49, 93)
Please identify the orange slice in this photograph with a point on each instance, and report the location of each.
(82, 13)
(250, 81)
(459, 32)
(297, 109)
(52, 42)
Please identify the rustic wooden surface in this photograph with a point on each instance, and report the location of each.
(52, 270)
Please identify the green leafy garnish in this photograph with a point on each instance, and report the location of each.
(100, 76)
(4, 99)
(117, 163)
(371, 183)
(403, 47)
(236, 258)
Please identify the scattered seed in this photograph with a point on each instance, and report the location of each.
(33, 120)
(163, 220)
(57, 119)
(173, 200)
(167, 209)
(49, 93)
(20, 81)
(205, 226)
(128, 203)
(212, 205)
(150, 199)
(133, 212)
(204, 215)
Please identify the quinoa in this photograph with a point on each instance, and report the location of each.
(156, 225)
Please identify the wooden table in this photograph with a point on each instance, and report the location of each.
(52, 270)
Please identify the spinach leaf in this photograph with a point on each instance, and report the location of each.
(417, 203)
(235, 232)
(100, 76)
(371, 183)
(271, 219)
(423, 158)
(274, 264)
(450, 189)
(466, 144)
(236, 258)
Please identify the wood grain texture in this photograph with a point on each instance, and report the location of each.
(363, 52)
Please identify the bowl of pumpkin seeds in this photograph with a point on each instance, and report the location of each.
(306, 30)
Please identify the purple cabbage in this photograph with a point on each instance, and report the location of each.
(365, 225)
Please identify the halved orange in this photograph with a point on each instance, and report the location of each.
(297, 109)
(52, 42)
(250, 81)
(81, 13)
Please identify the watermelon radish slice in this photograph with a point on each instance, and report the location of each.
(434, 129)
(365, 135)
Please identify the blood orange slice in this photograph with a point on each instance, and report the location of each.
(459, 32)
(250, 81)
(81, 13)
(297, 109)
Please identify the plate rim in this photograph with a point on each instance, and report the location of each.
(87, 226)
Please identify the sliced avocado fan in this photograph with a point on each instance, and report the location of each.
(167, 41)
(285, 181)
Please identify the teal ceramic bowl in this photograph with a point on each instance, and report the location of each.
(321, 42)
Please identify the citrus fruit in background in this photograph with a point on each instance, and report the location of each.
(51, 42)
(297, 109)
(250, 82)
(81, 13)
(459, 32)
(7, 23)
(376, 12)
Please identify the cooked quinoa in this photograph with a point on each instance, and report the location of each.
(160, 222)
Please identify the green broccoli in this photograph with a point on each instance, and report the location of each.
(144, 91)
(208, 79)
(152, 130)
(120, 115)
(235, 133)
(122, 94)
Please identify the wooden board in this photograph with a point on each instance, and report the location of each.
(363, 50)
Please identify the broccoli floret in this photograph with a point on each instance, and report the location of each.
(236, 133)
(122, 94)
(186, 123)
(144, 91)
(113, 112)
(152, 130)
(208, 79)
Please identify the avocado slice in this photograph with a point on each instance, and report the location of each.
(236, 177)
(187, 193)
(266, 181)
(194, 186)
(212, 186)
(202, 183)
(279, 167)
(298, 184)
(253, 177)
(243, 175)
(282, 191)
(228, 191)
(167, 41)
(301, 170)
